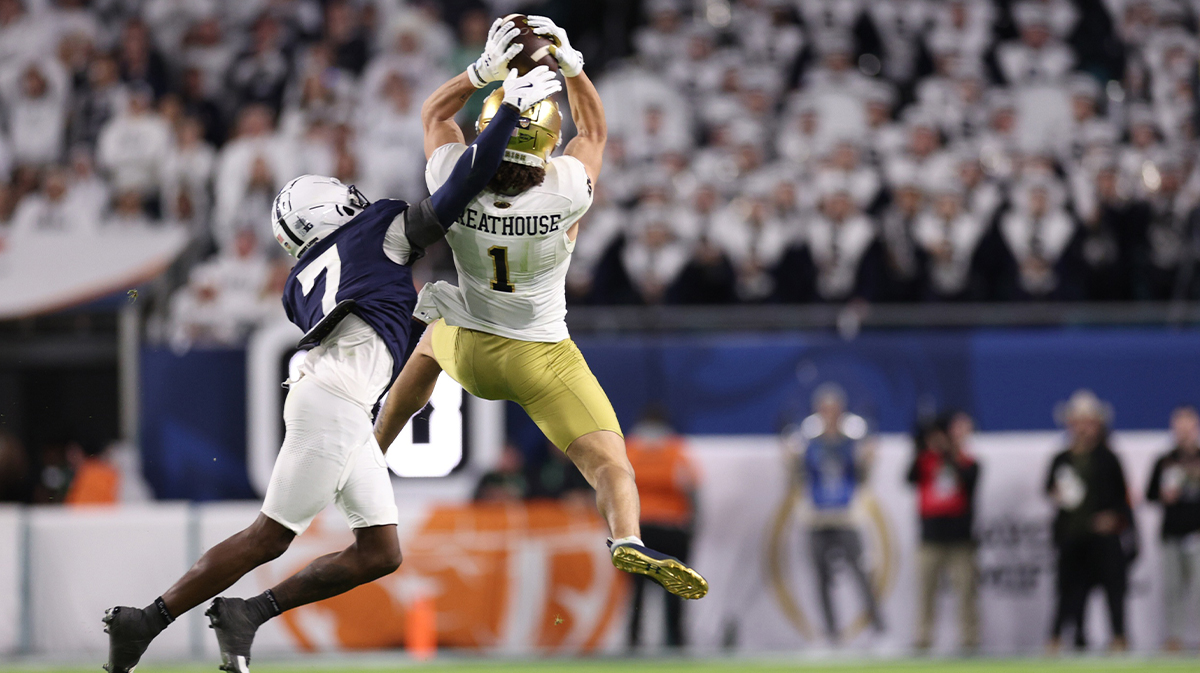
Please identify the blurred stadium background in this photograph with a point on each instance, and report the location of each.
(936, 205)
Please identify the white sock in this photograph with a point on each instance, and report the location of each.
(632, 539)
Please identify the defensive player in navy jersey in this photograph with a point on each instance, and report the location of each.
(351, 291)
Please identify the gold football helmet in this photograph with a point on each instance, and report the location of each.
(538, 132)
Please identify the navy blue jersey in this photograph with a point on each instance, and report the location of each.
(348, 272)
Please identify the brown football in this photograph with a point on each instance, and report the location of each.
(537, 47)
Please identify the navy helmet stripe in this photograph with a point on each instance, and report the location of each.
(288, 230)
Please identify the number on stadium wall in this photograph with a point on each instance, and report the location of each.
(329, 261)
(431, 445)
(499, 255)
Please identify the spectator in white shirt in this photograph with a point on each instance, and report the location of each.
(87, 189)
(251, 169)
(949, 234)
(664, 36)
(839, 239)
(1037, 232)
(36, 96)
(845, 157)
(23, 36)
(188, 168)
(653, 257)
(51, 210)
(134, 146)
(754, 240)
(128, 213)
(1038, 57)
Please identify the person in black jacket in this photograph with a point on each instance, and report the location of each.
(1175, 484)
(945, 475)
(1088, 487)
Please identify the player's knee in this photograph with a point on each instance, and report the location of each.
(269, 538)
(381, 563)
(380, 556)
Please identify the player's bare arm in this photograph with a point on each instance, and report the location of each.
(591, 130)
(439, 110)
(587, 111)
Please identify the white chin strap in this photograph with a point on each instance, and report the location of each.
(524, 158)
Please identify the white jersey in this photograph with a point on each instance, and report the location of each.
(511, 253)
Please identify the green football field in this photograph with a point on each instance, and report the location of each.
(325, 665)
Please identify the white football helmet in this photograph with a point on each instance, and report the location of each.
(310, 208)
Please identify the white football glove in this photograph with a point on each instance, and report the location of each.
(492, 64)
(570, 61)
(525, 91)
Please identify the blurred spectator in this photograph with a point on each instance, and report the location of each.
(103, 97)
(839, 239)
(903, 265)
(1175, 484)
(259, 74)
(36, 96)
(1037, 232)
(555, 476)
(15, 483)
(949, 235)
(55, 464)
(1088, 487)
(134, 146)
(187, 173)
(507, 482)
(95, 481)
(831, 463)
(945, 475)
(51, 209)
(128, 213)
(250, 170)
(667, 482)
(139, 60)
(654, 259)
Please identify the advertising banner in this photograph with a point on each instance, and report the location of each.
(752, 545)
(535, 577)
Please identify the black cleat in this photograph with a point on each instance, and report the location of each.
(674, 575)
(129, 634)
(235, 627)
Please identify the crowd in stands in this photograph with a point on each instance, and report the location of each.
(759, 150)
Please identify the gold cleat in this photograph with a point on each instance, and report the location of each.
(668, 571)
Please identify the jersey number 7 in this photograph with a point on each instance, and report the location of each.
(328, 261)
(499, 256)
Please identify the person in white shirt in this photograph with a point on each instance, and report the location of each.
(134, 146)
(655, 256)
(188, 168)
(128, 213)
(1038, 57)
(839, 238)
(1037, 232)
(36, 96)
(52, 210)
(250, 169)
(754, 240)
(949, 234)
(390, 139)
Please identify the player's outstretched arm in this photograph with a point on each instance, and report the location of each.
(427, 222)
(586, 109)
(439, 110)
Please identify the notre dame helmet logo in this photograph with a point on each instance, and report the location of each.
(538, 132)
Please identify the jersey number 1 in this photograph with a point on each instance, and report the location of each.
(499, 256)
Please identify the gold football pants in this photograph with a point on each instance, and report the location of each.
(551, 381)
